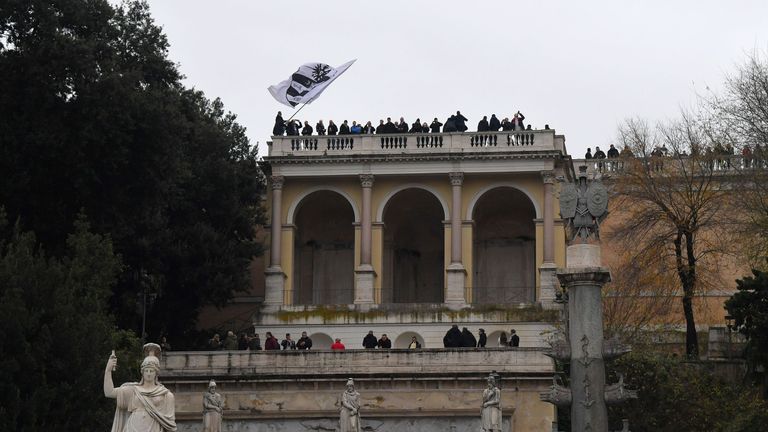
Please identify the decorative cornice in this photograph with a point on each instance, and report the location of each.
(366, 180)
(277, 181)
(404, 157)
(457, 178)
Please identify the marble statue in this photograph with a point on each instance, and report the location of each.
(490, 414)
(145, 406)
(213, 405)
(349, 419)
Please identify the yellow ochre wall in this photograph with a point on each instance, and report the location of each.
(385, 187)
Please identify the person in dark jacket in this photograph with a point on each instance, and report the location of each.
(482, 125)
(613, 152)
(452, 338)
(450, 125)
(292, 127)
(370, 341)
(599, 154)
(242, 342)
(514, 339)
(389, 127)
(506, 125)
(279, 128)
(332, 128)
(482, 339)
(416, 127)
(304, 342)
(460, 122)
(368, 128)
(271, 343)
(467, 339)
(380, 128)
(384, 342)
(589, 154)
(307, 130)
(320, 127)
(254, 343)
(344, 128)
(402, 127)
(494, 124)
(435, 126)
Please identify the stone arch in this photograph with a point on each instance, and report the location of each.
(493, 339)
(404, 339)
(400, 188)
(321, 341)
(324, 249)
(413, 248)
(513, 185)
(297, 202)
(504, 246)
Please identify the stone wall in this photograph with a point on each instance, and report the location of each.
(401, 390)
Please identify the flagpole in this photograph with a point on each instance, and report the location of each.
(297, 111)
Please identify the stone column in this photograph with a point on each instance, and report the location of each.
(456, 274)
(364, 274)
(547, 278)
(584, 279)
(275, 278)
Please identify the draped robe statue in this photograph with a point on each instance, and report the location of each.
(145, 406)
(490, 414)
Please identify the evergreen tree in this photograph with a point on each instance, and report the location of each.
(93, 116)
(56, 332)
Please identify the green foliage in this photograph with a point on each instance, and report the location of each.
(679, 396)
(56, 332)
(749, 309)
(93, 116)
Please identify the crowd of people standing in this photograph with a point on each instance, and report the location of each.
(454, 338)
(454, 123)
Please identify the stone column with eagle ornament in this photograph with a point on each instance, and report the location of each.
(584, 205)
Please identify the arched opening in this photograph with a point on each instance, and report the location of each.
(321, 341)
(324, 250)
(404, 340)
(494, 339)
(504, 248)
(413, 248)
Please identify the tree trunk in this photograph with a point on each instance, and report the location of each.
(686, 270)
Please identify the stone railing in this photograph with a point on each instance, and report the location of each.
(720, 164)
(266, 364)
(517, 141)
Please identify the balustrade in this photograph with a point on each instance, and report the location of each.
(722, 164)
(533, 140)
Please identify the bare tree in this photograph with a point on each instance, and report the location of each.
(673, 208)
(740, 115)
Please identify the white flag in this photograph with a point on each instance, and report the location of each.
(306, 84)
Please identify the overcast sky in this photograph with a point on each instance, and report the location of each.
(581, 67)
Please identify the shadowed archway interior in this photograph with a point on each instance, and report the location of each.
(324, 250)
(413, 248)
(504, 248)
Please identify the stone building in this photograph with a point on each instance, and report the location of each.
(405, 235)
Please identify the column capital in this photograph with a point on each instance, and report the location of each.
(366, 180)
(457, 178)
(277, 181)
(548, 177)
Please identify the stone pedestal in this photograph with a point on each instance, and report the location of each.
(274, 286)
(584, 279)
(549, 285)
(364, 277)
(456, 276)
